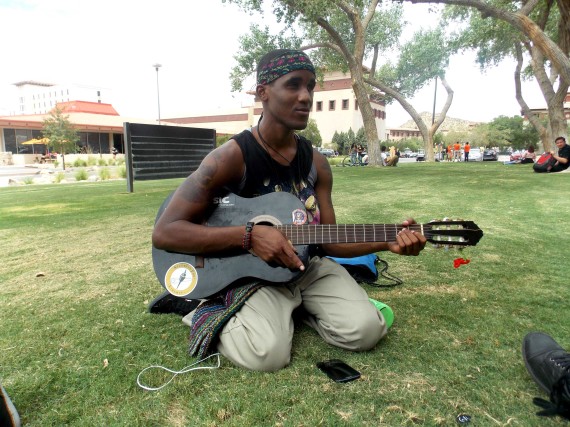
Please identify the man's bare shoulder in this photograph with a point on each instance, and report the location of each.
(226, 160)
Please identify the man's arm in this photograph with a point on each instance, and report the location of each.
(563, 158)
(408, 242)
(180, 228)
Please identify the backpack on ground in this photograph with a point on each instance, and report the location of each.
(364, 270)
(544, 163)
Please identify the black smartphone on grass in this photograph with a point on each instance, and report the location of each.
(338, 371)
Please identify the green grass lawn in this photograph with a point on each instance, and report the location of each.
(74, 338)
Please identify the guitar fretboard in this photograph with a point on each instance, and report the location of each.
(345, 233)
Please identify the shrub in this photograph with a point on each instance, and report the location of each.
(81, 175)
(123, 171)
(56, 164)
(104, 174)
(79, 163)
(102, 162)
(91, 161)
(335, 161)
(28, 180)
(59, 177)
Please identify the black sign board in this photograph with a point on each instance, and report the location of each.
(160, 152)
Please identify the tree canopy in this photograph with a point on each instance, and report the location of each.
(311, 132)
(495, 39)
(342, 35)
(62, 135)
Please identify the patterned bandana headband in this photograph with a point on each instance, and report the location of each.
(285, 63)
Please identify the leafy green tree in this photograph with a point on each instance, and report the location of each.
(222, 139)
(515, 133)
(340, 140)
(360, 137)
(423, 58)
(528, 17)
(497, 29)
(311, 132)
(344, 140)
(342, 34)
(61, 134)
(351, 137)
(494, 40)
(453, 136)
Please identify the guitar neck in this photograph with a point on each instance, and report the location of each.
(345, 233)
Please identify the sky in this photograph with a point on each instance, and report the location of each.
(113, 44)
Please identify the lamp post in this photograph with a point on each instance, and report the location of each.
(156, 67)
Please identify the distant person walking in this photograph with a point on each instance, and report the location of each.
(353, 153)
(466, 149)
(457, 151)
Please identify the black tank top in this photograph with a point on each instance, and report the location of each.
(264, 175)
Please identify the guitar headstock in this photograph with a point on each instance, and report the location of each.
(450, 233)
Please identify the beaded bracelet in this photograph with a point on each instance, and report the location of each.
(247, 236)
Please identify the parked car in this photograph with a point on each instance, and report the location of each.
(327, 152)
(420, 156)
(490, 154)
(406, 154)
(475, 155)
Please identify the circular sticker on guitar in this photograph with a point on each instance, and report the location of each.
(181, 279)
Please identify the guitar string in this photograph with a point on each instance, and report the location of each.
(368, 232)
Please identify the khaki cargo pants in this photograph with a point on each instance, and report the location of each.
(260, 334)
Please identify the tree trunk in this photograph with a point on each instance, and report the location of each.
(441, 117)
(526, 111)
(564, 25)
(368, 119)
(557, 125)
(554, 100)
(427, 134)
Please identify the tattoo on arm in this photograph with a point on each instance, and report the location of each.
(197, 187)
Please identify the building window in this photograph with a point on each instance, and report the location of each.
(345, 104)
(331, 105)
(319, 105)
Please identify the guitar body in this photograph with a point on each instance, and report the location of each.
(199, 277)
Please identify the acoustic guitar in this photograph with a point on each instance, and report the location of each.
(196, 277)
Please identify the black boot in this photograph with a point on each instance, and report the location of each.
(549, 365)
(545, 360)
(167, 303)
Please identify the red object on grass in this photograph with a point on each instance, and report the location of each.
(459, 261)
